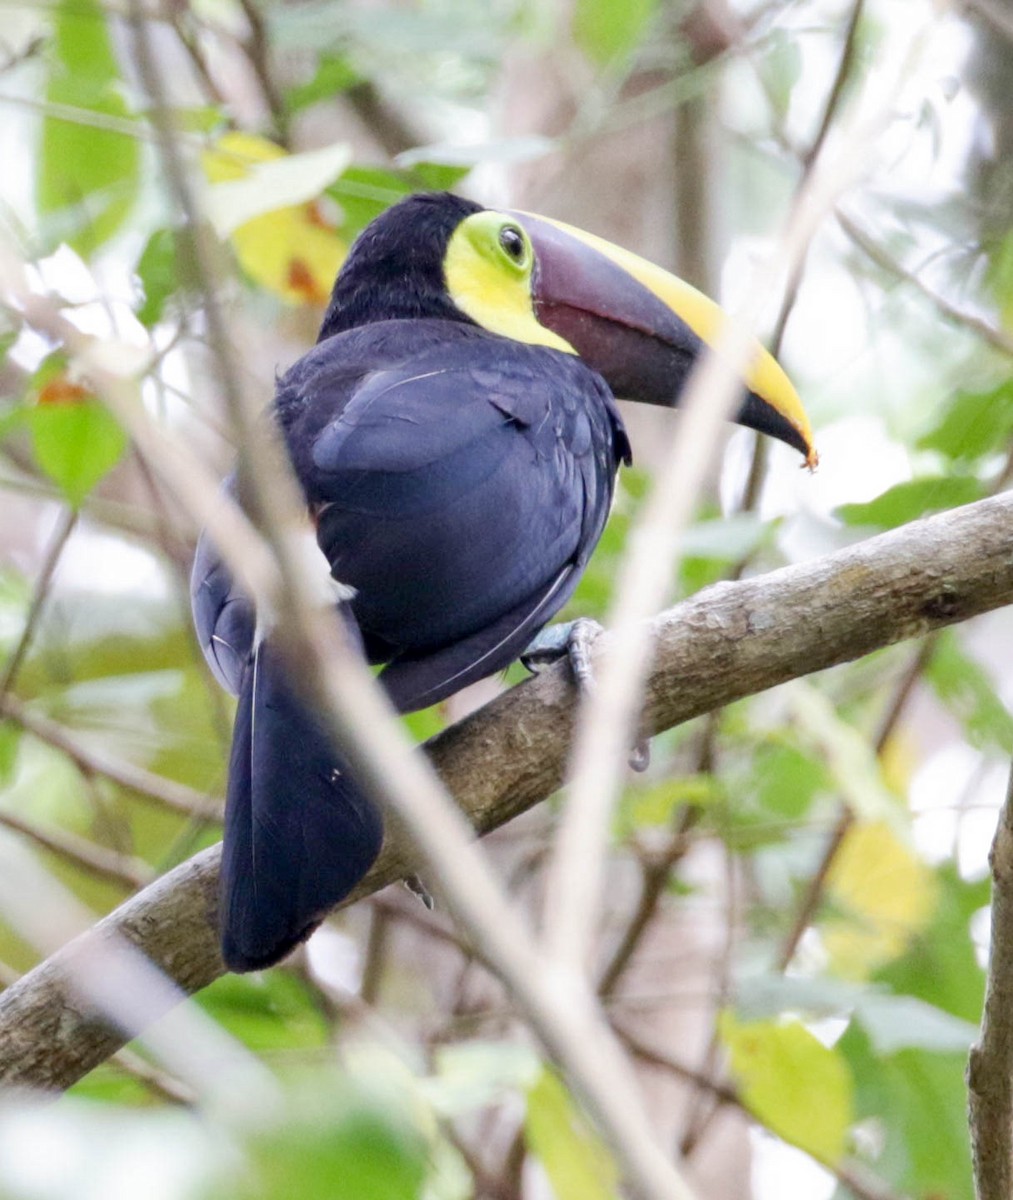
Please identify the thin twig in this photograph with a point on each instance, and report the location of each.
(126, 870)
(177, 18)
(845, 65)
(257, 48)
(831, 109)
(161, 1083)
(166, 792)
(994, 13)
(129, 127)
(127, 519)
(813, 895)
(655, 873)
(997, 338)
(64, 528)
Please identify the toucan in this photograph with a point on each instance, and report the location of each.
(456, 437)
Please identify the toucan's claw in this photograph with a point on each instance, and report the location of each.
(575, 640)
(417, 888)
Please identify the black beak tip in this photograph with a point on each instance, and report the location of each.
(757, 414)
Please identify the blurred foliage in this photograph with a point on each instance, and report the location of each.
(86, 184)
(798, 1087)
(400, 1072)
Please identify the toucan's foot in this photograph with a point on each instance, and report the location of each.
(417, 888)
(575, 640)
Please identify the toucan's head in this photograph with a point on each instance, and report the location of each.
(538, 281)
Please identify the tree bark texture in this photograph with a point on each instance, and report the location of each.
(990, 1066)
(729, 641)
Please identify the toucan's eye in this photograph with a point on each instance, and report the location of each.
(513, 243)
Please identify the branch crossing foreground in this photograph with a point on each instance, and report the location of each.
(727, 642)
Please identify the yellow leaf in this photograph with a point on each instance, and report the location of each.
(800, 1089)
(885, 895)
(577, 1164)
(292, 250)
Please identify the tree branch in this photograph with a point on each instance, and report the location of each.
(990, 1066)
(727, 642)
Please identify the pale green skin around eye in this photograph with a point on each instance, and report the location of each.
(490, 285)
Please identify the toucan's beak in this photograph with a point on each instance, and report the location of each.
(642, 328)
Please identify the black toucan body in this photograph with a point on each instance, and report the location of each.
(456, 437)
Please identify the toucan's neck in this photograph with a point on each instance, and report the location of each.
(395, 268)
(360, 298)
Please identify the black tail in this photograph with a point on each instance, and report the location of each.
(299, 833)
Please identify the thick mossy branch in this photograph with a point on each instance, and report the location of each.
(729, 641)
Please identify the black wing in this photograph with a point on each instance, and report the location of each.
(459, 491)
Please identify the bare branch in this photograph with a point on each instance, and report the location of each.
(997, 338)
(990, 1066)
(993, 13)
(46, 572)
(123, 869)
(165, 792)
(732, 640)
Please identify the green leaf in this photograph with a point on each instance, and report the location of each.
(10, 740)
(609, 32)
(780, 69)
(726, 539)
(941, 966)
(1000, 278)
(800, 1089)
(850, 760)
(974, 425)
(7, 339)
(365, 192)
(654, 806)
(156, 270)
(968, 691)
(350, 1150)
(577, 1164)
(710, 546)
(904, 1022)
(438, 176)
(917, 1102)
(787, 779)
(76, 444)
(268, 1011)
(763, 994)
(87, 176)
(334, 74)
(911, 500)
